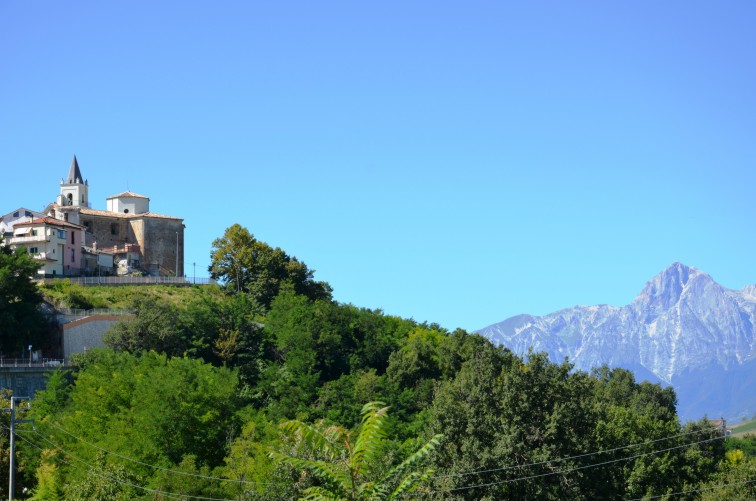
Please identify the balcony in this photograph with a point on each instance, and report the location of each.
(45, 256)
(29, 239)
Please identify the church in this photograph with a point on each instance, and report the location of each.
(125, 238)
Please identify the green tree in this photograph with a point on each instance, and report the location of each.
(245, 264)
(21, 322)
(345, 468)
(176, 413)
(155, 326)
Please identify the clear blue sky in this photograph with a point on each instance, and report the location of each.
(455, 162)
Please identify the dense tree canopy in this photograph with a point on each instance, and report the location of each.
(190, 399)
(246, 264)
(21, 323)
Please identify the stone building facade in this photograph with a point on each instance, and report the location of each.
(139, 240)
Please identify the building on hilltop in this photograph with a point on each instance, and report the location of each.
(56, 244)
(139, 240)
(20, 215)
(124, 238)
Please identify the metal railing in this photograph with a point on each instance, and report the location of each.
(134, 280)
(76, 312)
(25, 362)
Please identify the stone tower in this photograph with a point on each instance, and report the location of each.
(74, 191)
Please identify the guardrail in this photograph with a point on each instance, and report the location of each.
(75, 312)
(25, 362)
(133, 280)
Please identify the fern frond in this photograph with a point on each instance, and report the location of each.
(411, 482)
(413, 460)
(368, 443)
(318, 440)
(321, 494)
(336, 478)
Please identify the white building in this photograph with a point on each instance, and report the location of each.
(20, 215)
(55, 244)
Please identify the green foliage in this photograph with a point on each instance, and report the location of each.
(21, 322)
(346, 468)
(201, 377)
(734, 482)
(744, 443)
(175, 413)
(103, 481)
(65, 294)
(155, 326)
(245, 264)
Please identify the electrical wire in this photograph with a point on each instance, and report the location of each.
(168, 470)
(92, 470)
(680, 493)
(559, 460)
(570, 470)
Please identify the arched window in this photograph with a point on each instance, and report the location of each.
(70, 199)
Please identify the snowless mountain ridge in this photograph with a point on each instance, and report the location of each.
(680, 323)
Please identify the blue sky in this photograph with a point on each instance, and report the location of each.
(454, 162)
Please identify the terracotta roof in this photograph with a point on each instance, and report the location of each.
(106, 213)
(52, 222)
(128, 194)
(74, 174)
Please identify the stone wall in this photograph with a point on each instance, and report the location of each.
(101, 229)
(24, 381)
(160, 244)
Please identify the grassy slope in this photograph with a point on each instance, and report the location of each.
(744, 428)
(66, 295)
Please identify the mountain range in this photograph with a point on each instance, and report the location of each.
(683, 330)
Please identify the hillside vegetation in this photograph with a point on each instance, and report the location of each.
(218, 393)
(64, 294)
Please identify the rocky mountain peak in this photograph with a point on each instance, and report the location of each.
(668, 287)
(683, 324)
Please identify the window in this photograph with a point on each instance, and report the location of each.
(34, 233)
(33, 250)
(27, 213)
(125, 211)
(15, 214)
(114, 229)
(70, 199)
(73, 240)
(62, 234)
(73, 256)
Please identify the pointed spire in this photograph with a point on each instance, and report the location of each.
(74, 174)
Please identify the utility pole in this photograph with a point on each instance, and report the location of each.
(13, 422)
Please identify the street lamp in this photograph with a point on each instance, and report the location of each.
(195, 273)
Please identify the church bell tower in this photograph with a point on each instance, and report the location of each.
(74, 191)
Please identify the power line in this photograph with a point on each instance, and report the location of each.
(559, 460)
(570, 470)
(680, 493)
(92, 470)
(168, 470)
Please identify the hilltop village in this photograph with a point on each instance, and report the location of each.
(71, 239)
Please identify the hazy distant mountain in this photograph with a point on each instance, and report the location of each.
(683, 329)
